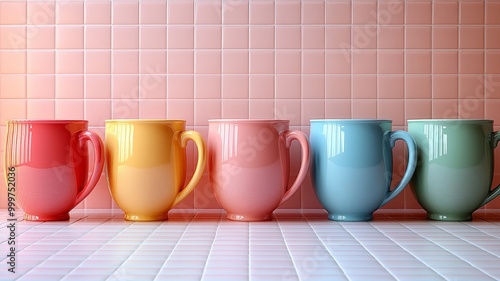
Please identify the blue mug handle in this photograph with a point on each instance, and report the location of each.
(410, 168)
(495, 192)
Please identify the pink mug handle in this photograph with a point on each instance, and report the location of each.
(98, 163)
(289, 136)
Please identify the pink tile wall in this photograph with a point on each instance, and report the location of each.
(287, 59)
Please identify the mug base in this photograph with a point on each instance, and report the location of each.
(238, 217)
(350, 217)
(145, 217)
(62, 217)
(441, 217)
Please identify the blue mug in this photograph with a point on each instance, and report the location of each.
(352, 166)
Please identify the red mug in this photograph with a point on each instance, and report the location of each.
(47, 163)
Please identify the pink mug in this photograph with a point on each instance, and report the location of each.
(47, 163)
(249, 166)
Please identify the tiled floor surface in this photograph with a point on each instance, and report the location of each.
(295, 245)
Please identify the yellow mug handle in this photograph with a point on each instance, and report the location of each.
(200, 165)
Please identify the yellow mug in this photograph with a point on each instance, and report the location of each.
(146, 165)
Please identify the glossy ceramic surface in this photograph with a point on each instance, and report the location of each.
(146, 165)
(455, 170)
(352, 166)
(249, 164)
(48, 161)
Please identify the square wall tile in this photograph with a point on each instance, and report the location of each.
(69, 37)
(208, 62)
(42, 38)
(153, 62)
(13, 86)
(261, 61)
(288, 62)
(471, 87)
(444, 86)
(288, 37)
(98, 62)
(39, 86)
(418, 62)
(13, 37)
(491, 109)
(418, 37)
(153, 86)
(261, 12)
(364, 87)
(69, 87)
(13, 13)
(313, 37)
(180, 37)
(312, 109)
(313, 86)
(364, 12)
(492, 12)
(206, 110)
(208, 37)
(390, 62)
(418, 109)
(390, 37)
(97, 86)
(40, 109)
(153, 12)
(69, 12)
(391, 110)
(492, 60)
(235, 62)
(288, 86)
(125, 37)
(491, 86)
(287, 12)
(235, 86)
(97, 37)
(471, 37)
(69, 62)
(235, 12)
(391, 12)
(125, 62)
(208, 12)
(125, 12)
(69, 109)
(338, 12)
(153, 37)
(261, 86)
(470, 107)
(125, 87)
(12, 109)
(445, 12)
(235, 109)
(47, 9)
(418, 86)
(313, 62)
(492, 37)
(471, 12)
(445, 62)
(261, 109)
(338, 86)
(313, 12)
(100, 197)
(38, 62)
(471, 62)
(419, 12)
(445, 37)
(338, 108)
(98, 12)
(235, 37)
(444, 109)
(153, 109)
(180, 87)
(288, 109)
(183, 109)
(364, 62)
(207, 87)
(261, 37)
(390, 86)
(364, 37)
(337, 62)
(97, 111)
(338, 37)
(364, 108)
(180, 62)
(124, 109)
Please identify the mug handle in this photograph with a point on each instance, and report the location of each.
(495, 192)
(410, 168)
(289, 136)
(200, 165)
(98, 164)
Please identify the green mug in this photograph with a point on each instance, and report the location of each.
(454, 170)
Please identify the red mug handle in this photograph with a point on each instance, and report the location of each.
(98, 164)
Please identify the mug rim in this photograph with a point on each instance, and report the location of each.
(235, 120)
(137, 120)
(47, 121)
(450, 120)
(351, 120)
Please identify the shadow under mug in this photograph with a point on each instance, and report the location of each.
(352, 166)
(46, 163)
(146, 165)
(249, 165)
(455, 166)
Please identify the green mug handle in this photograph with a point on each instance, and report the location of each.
(495, 192)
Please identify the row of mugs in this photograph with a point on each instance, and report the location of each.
(449, 162)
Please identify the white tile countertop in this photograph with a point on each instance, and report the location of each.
(295, 245)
